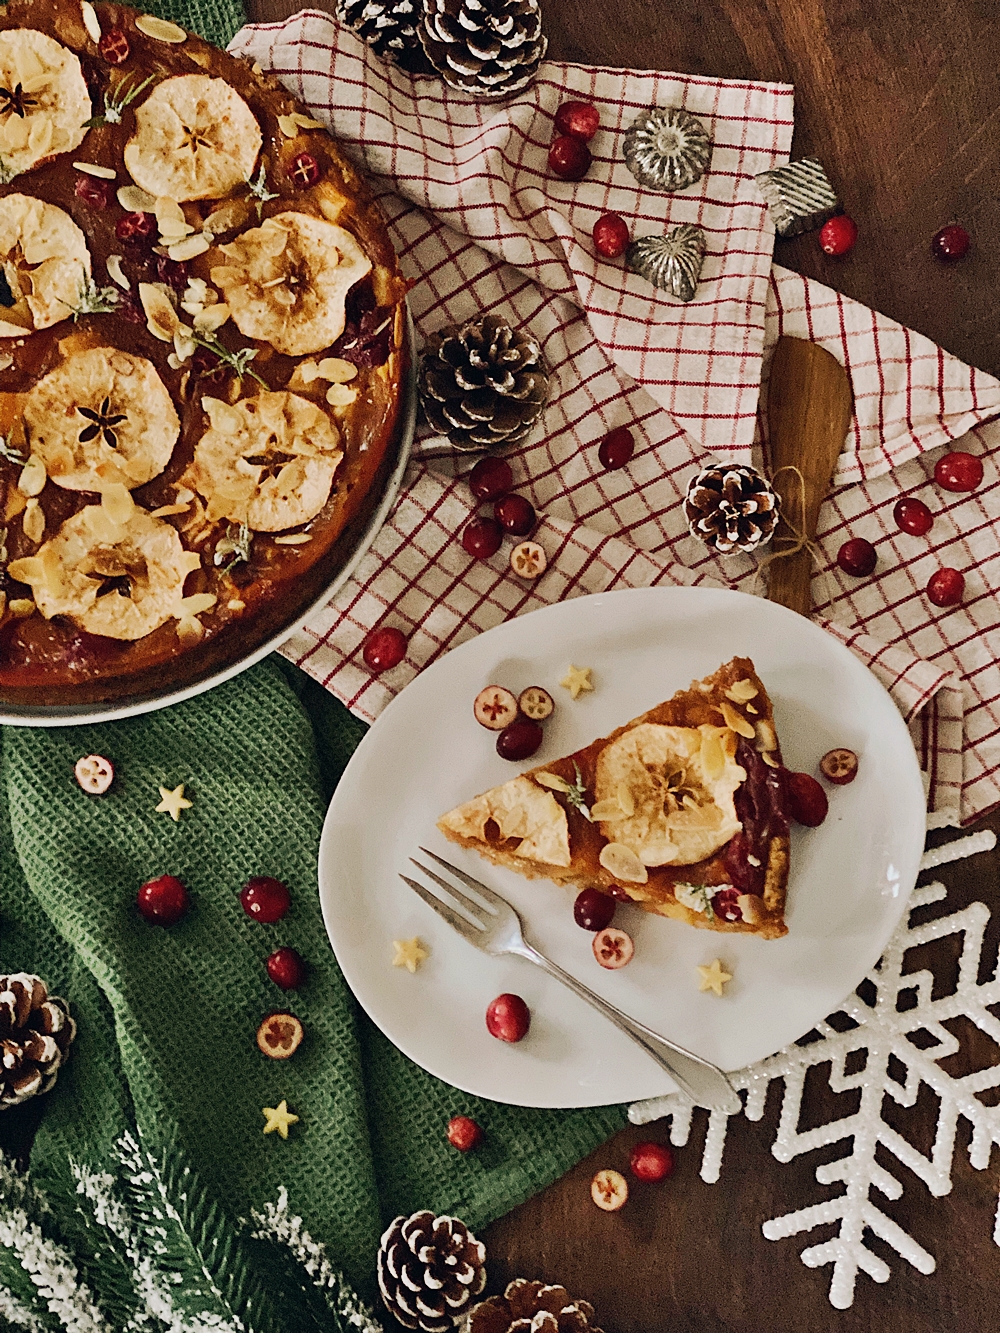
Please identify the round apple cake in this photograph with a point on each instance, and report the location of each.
(202, 356)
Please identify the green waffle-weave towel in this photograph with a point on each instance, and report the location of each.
(167, 1017)
(215, 20)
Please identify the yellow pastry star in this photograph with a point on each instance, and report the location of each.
(713, 977)
(279, 1118)
(409, 954)
(173, 802)
(577, 680)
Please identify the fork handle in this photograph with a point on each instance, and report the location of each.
(705, 1084)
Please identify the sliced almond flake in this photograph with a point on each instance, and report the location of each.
(553, 781)
(29, 569)
(603, 811)
(212, 317)
(712, 755)
(90, 21)
(197, 603)
(235, 605)
(766, 739)
(189, 629)
(33, 522)
(21, 608)
(752, 908)
(95, 169)
(162, 319)
(742, 690)
(622, 862)
(339, 395)
(750, 709)
(165, 511)
(223, 417)
(135, 200)
(3, 604)
(288, 125)
(257, 68)
(623, 795)
(114, 267)
(161, 30)
(6, 361)
(293, 539)
(117, 502)
(184, 494)
(14, 505)
(189, 248)
(336, 369)
(33, 478)
(309, 371)
(307, 122)
(769, 759)
(736, 721)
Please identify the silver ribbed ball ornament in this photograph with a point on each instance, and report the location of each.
(666, 148)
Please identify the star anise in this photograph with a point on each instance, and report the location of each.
(17, 101)
(121, 584)
(102, 423)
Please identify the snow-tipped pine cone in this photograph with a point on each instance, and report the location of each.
(389, 27)
(482, 384)
(487, 48)
(532, 1307)
(35, 1034)
(731, 508)
(430, 1269)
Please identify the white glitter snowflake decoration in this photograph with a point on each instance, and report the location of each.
(882, 1036)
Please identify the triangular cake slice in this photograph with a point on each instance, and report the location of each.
(686, 806)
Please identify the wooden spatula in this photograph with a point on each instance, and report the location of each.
(809, 406)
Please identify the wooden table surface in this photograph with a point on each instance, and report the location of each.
(899, 100)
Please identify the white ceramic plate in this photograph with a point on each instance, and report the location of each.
(850, 878)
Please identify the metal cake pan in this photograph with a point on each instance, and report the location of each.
(59, 715)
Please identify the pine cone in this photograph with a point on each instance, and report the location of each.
(482, 384)
(487, 48)
(389, 27)
(532, 1307)
(731, 507)
(35, 1033)
(429, 1269)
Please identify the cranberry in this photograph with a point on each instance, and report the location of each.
(463, 1133)
(613, 948)
(384, 649)
(839, 766)
(807, 803)
(519, 740)
(163, 901)
(536, 703)
(950, 243)
(304, 170)
(94, 773)
(515, 515)
(265, 899)
(92, 191)
(946, 587)
(857, 557)
(280, 1035)
(609, 1190)
(494, 707)
(135, 227)
(913, 516)
(580, 120)
(174, 272)
(651, 1161)
(286, 968)
(616, 448)
(508, 1017)
(482, 538)
(611, 235)
(837, 235)
(958, 471)
(593, 910)
(725, 905)
(491, 478)
(569, 158)
(114, 46)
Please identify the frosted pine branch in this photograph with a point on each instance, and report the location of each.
(53, 1272)
(276, 1222)
(14, 1314)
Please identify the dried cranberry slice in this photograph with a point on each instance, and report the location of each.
(114, 46)
(134, 228)
(726, 906)
(92, 191)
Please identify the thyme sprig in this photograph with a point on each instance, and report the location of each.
(115, 102)
(8, 451)
(94, 300)
(238, 362)
(577, 794)
(259, 190)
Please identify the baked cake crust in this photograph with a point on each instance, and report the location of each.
(718, 778)
(199, 412)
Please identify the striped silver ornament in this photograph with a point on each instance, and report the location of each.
(799, 196)
(671, 262)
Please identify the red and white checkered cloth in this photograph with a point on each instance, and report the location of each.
(480, 226)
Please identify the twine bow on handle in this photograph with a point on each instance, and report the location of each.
(809, 409)
(792, 533)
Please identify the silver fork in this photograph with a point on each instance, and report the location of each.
(491, 924)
